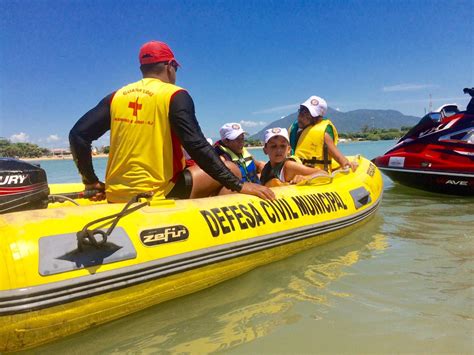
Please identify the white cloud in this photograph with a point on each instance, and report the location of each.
(252, 124)
(52, 138)
(407, 87)
(277, 109)
(21, 137)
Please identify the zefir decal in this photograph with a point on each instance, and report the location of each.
(223, 220)
(157, 236)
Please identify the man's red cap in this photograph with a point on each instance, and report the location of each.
(154, 52)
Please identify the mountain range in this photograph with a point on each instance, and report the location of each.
(352, 121)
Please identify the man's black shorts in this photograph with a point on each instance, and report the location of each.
(182, 188)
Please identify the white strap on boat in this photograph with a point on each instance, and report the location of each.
(323, 179)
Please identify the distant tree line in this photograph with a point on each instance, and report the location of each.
(376, 134)
(367, 134)
(21, 150)
(29, 150)
(250, 142)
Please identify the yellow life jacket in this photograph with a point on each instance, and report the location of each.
(311, 148)
(144, 154)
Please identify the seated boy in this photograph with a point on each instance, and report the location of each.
(281, 169)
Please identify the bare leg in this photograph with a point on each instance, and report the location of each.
(236, 171)
(204, 185)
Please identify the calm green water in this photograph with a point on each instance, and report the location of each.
(403, 283)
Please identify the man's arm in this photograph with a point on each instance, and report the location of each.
(184, 124)
(88, 128)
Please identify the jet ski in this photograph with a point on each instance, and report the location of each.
(437, 154)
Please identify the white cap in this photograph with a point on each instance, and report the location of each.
(316, 105)
(231, 131)
(277, 131)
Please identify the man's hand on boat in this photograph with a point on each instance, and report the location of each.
(261, 191)
(248, 188)
(99, 189)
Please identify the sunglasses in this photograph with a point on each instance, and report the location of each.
(174, 64)
(303, 111)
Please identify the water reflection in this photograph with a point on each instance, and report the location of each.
(436, 233)
(427, 216)
(238, 311)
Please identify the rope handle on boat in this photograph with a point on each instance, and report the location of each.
(88, 236)
(319, 178)
(71, 196)
(340, 171)
(323, 179)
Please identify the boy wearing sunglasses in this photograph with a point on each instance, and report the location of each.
(231, 148)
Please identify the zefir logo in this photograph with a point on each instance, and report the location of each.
(156, 236)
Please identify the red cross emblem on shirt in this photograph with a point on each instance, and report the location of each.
(135, 106)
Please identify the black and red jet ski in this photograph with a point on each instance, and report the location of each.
(437, 154)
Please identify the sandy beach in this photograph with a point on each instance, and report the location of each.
(61, 157)
(69, 156)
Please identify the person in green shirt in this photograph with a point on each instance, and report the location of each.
(313, 137)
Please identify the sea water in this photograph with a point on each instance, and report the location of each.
(402, 283)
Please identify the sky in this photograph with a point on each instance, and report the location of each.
(251, 62)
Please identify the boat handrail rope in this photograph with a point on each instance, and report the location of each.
(321, 178)
(87, 236)
(340, 171)
(61, 199)
(71, 196)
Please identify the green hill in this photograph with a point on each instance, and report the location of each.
(352, 121)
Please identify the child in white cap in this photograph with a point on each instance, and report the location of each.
(281, 169)
(231, 148)
(313, 137)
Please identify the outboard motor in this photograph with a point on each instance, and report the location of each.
(23, 186)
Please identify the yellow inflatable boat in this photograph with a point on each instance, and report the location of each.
(67, 268)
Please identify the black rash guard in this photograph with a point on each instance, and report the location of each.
(183, 123)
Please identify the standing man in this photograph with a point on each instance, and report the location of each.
(313, 138)
(150, 121)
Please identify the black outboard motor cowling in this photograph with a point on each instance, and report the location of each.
(23, 186)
